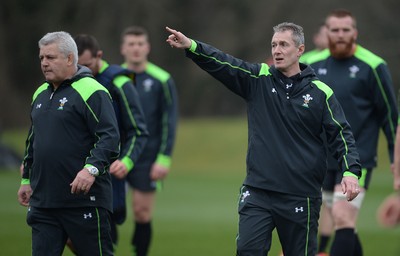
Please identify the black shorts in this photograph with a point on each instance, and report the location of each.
(294, 217)
(88, 228)
(139, 178)
(334, 177)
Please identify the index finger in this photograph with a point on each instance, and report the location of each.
(173, 31)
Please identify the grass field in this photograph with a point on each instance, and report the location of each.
(196, 213)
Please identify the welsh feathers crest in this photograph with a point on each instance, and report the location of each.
(307, 98)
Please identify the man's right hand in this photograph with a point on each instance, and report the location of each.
(118, 169)
(350, 187)
(177, 39)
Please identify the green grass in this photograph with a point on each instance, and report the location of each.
(196, 212)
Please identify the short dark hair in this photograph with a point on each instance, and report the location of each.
(341, 13)
(135, 31)
(87, 42)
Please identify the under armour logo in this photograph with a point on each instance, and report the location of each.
(87, 216)
(39, 105)
(299, 209)
(244, 195)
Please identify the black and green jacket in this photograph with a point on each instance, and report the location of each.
(128, 110)
(72, 127)
(286, 120)
(159, 101)
(363, 85)
(131, 123)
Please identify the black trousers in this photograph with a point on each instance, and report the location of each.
(294, 217)
(88, 228)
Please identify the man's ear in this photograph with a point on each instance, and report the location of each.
(301, 50)
(70, 59)
(99, 54)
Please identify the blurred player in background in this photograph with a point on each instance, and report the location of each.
(362, 83)
(157, 93)
(130, 117)
(320, 41)
(388, 213)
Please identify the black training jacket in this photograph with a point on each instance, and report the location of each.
(363, 85)
(128, 110)
(286, 152)
(72, 126)
(157, 93)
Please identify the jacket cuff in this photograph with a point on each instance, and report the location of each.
(25, 182)
(163, 160)
(193, 46)
(128, 163)
(348, 173)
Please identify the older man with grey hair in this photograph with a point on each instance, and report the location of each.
(71, 143)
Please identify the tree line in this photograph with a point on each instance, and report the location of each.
(241, 28)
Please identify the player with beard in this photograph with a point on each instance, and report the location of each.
(363, 86)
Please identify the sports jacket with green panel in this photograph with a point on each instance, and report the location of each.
(286, 121)
(363, 85)
(72, 127)
(128, 110)
(157, 93)
(131, 123)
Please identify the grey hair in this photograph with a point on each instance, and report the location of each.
(65, 42)
(297, 31)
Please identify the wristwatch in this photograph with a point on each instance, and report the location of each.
(92, 171)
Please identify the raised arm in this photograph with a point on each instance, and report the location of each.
(237, 75)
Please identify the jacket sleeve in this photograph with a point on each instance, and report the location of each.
(102, 124)
(385, 102)
(169, 123)
(234, 73)
(132, 122)
(340, 138)
(28, 157)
